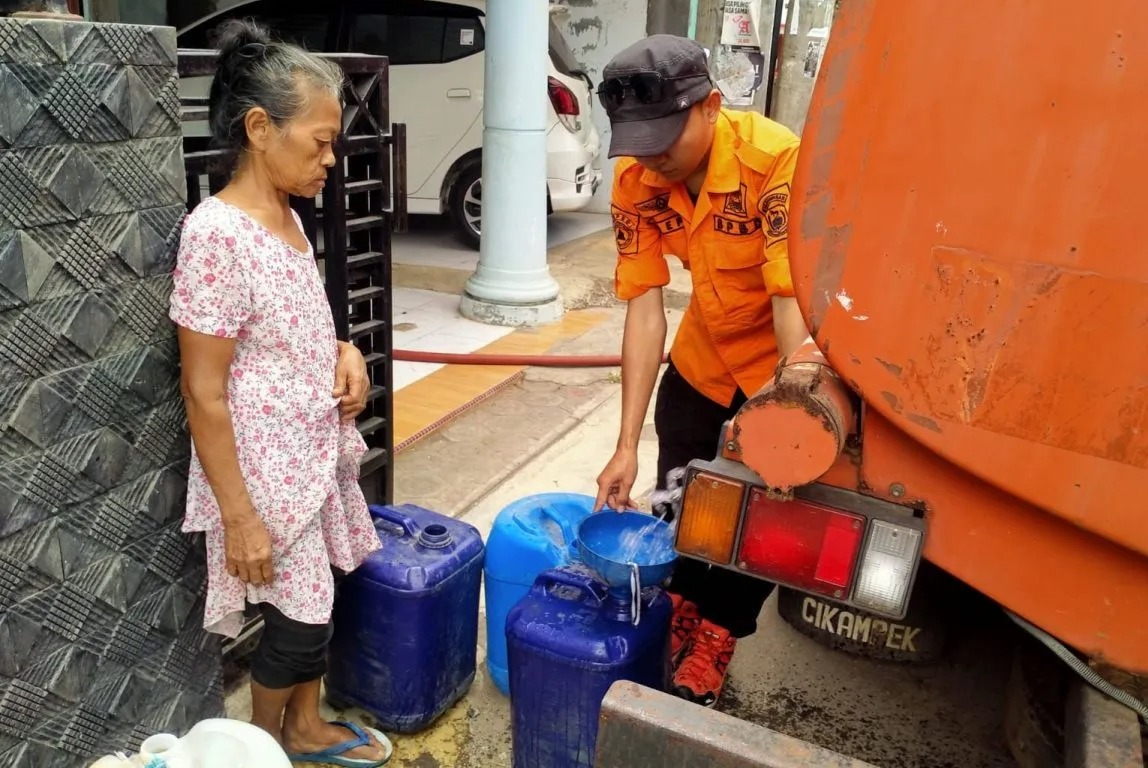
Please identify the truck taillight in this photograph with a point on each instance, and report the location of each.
(802, 544)
(565, 103)
(852, 548)
(888, 563)
(711, 509)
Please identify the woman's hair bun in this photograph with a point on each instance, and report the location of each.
(240, 38)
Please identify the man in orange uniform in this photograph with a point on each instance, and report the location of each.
(711, 187)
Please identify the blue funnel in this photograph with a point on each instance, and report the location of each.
(618, 545)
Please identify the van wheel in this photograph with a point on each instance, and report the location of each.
(465, 205)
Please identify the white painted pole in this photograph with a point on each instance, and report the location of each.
(512, 285)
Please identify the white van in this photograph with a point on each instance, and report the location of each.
(436, 89)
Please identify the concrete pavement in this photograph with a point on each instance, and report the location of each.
(565, 426)
(553, 430)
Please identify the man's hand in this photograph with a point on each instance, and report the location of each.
(351, 381)
(617, 480)
(248, 549)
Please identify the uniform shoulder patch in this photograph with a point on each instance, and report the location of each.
(774, 209)
(625, 230)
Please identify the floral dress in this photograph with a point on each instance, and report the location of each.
(235, 279)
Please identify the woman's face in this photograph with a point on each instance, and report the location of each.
(296, 156)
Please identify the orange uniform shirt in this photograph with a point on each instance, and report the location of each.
(733, 242)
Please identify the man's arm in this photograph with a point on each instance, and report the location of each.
(773, 205)
(643, 342)
(640, 274)
(788, 325)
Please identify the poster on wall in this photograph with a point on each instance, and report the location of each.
(739, 64)
(740, 22)
(815, 51)
(738, 74)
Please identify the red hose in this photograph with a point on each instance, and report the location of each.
(539, 361)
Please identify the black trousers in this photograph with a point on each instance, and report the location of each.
(289, 652)
(689, 426)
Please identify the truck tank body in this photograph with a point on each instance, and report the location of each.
(968, 243)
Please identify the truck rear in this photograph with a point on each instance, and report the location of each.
(966, 243)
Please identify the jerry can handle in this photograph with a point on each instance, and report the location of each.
(635, 594)
(392, 521)
(593, 591)
(568, 535)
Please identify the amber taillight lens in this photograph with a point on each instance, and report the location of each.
(710, 511)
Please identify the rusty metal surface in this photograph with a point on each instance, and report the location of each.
(642, 728)
(792, 431)
(1099, 732)
(964, 293)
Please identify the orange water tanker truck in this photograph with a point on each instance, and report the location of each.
(969, 246)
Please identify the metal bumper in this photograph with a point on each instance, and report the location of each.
(642, 728)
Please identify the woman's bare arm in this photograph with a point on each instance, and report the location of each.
(205, 362)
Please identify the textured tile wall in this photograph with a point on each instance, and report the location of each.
(100, 595)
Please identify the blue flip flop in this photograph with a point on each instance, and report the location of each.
(334, 755)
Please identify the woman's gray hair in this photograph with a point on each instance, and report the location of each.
(256, 71)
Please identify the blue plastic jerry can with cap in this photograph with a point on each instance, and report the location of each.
(529, 536)
(405, 638)
(568, 641)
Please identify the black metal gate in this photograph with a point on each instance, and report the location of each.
(350, 227)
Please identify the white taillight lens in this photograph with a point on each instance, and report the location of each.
(888, 561)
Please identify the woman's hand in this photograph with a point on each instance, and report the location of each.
(351, 381)
(248, 548)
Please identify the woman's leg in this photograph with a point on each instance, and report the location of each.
(267, 705)
(286, 677)
(289, 652)
(305, 730)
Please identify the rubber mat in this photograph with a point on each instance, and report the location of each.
(101, 639)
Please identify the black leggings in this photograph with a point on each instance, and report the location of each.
(689, 426)
(289, 652)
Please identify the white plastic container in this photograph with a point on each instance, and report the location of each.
(232, 743)
(210, 744)
(169, 748)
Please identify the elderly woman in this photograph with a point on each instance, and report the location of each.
(271, 394)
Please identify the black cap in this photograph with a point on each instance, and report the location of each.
(641, 129)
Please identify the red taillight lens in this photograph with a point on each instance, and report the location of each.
(800, 543)
(563, 99)
(565, 104)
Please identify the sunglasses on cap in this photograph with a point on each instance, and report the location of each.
(645, 87)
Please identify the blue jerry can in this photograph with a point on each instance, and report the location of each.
(569, 640)
(406, 620)
(534, 534)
